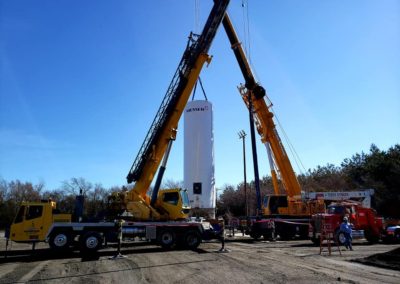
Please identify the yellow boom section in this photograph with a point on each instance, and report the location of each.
(168, 133)
(263, 117)
(267, 130)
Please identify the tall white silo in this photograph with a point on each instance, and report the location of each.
(199, 155)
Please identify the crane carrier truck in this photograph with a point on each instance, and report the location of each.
(285, 212)
(159, 217)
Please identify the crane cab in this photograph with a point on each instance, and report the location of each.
(285, 205)
(275, 205)
(33, 221)
(175, 202)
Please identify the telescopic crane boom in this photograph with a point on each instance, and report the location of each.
(253, 94)
(263, 116)
(163, 129)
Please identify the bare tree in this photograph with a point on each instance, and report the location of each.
(3, 190)
(75, 185)
(170, 183)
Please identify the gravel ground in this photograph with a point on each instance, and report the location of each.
(246, 262)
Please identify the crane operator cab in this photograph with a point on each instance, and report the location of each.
(175, 202)
(275, 204)
(285, 205)
(170, 204)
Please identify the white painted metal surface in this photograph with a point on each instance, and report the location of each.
(199, 154)
(363, 195)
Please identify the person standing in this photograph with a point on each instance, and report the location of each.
(345, 228)
(119, 239)
(221, 234)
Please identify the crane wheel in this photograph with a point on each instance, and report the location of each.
(166, 238)
(255, 236)
(192, 239)
(371, 237)
(60, 240)
(90, 242)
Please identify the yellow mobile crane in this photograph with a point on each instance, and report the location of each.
(289, 211)
(162, 133)
(154, 218)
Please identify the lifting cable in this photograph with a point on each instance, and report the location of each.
(247, 48)
(292, 150)
(202, 88)
(196, 30)
(246, 28)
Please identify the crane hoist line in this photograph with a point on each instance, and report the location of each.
(197, 45)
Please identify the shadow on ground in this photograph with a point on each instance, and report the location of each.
(389, 260)
(29, 255)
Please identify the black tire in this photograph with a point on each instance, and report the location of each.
(60, 240)
(340, 238)
(255, 236)
(371, 237)
(166, 238)
(269, 236)
(316, 241)
(286, 236)
(303, 233)
(191, 239)
(397, 236)
(90, 242)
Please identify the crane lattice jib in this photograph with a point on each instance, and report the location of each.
(196, 46)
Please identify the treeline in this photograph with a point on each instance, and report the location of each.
(377, 169)
(14, 192)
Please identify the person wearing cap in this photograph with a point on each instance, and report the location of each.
(345, 227)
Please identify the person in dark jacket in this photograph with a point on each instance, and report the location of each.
(345, 228)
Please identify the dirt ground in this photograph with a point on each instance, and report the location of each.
(246, 262)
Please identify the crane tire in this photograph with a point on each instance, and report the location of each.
(60, 240)
(192, 239)
(371, 237)
(90, 242)
(166, 238)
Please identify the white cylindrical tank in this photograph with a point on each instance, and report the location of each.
(199, 155)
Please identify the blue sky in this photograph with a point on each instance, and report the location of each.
(81, 81)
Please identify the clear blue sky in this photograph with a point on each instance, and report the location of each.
(81, 81)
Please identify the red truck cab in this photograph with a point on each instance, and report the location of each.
(365, 222)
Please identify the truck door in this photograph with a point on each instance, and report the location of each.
(28, 224)
(34, 221)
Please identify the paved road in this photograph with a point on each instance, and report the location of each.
(247, 262)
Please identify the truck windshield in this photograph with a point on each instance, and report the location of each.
(20, 215)
(185, 198)
(266, 201)
(336, 210)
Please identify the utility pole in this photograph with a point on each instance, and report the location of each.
(242, 135)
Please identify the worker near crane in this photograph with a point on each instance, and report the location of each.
(119, 237)
(345, 227)
(221, 233)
